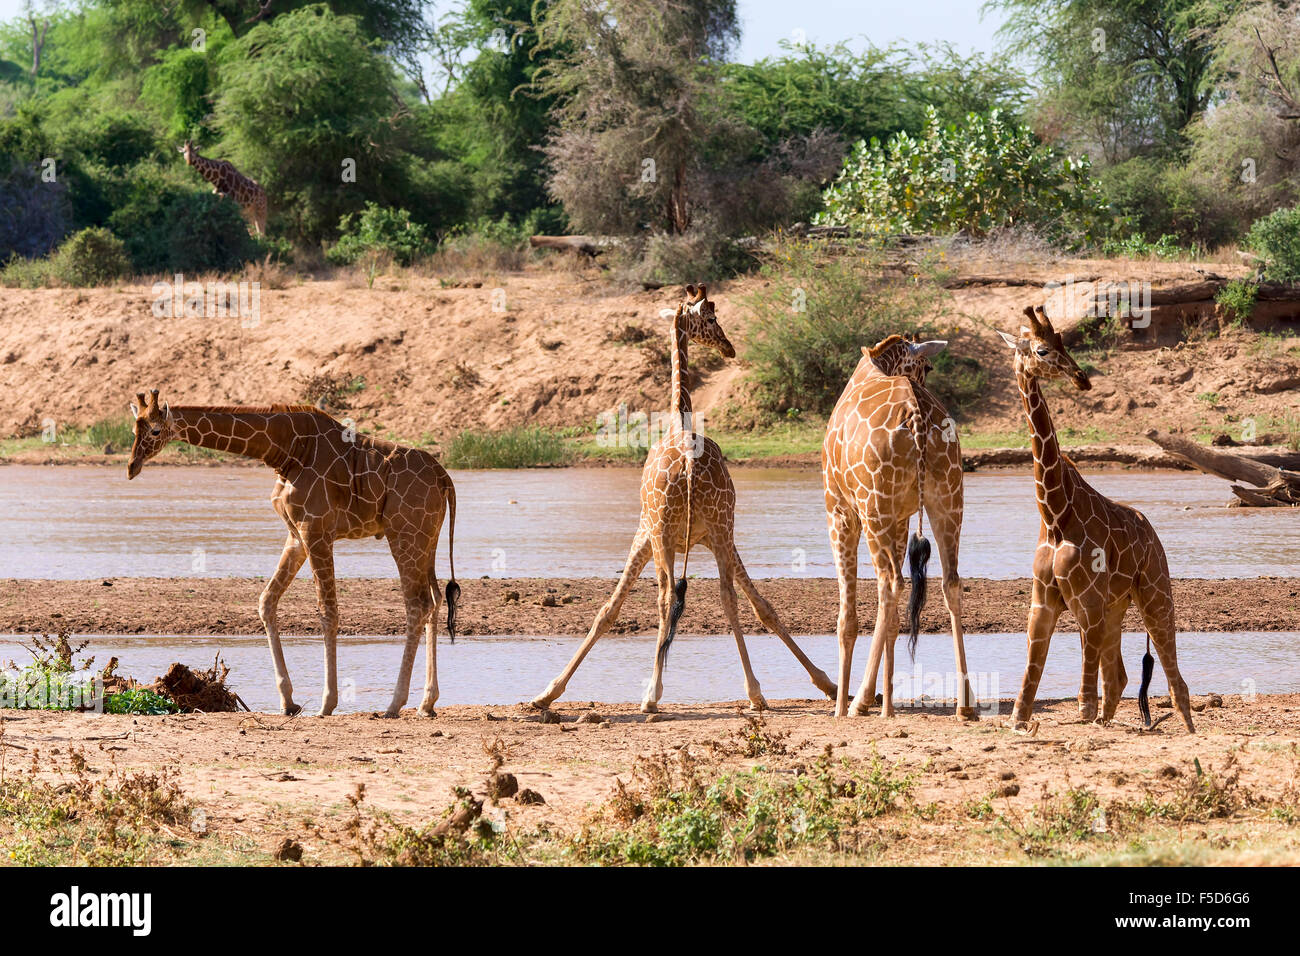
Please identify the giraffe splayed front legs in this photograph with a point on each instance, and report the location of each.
(1094, 556)
(891, 451)
(687, 499)
(331, 483)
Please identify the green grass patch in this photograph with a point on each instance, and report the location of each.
(520, 447)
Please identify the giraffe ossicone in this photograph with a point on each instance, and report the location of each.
(331, 483)
(1094, 556)
(687, 499)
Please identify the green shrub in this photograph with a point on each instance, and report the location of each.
(174, 227)
(140, 700)
(974, 178)
(1276, 239)
(521, 447)
(92, 256)
(1238, 299)
(26, 273)
(379, 231)
(814, 315)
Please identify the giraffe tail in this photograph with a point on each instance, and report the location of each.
(918, 548)
(1148, 669)
(453, 589)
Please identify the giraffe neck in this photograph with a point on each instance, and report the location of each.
(209, 169)
(251, 434)
(681, 396)
(1049, 466)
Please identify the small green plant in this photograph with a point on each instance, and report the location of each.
(1276, 239)
(139, 700)
(53, 680)
(1209, 398)
(520, 447)
(379, 233)
(1137, 246)
(1238, 299)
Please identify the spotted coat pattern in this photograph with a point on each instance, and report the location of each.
(1094, 556)
(228, 182)
(889, 444)
(331, 483)
(675, 519)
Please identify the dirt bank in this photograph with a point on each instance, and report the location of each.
(568, 605)
(416, 360)
(975, 794)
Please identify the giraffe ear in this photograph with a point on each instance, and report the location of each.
(135, 410)
(931, 348)
(669, 313)
(1012, 341)
(690, 293)
(166, 410)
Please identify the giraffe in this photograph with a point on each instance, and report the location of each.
(331, 483)
(1094, 556)
(687, 498)
(229, 182)
(891, 451)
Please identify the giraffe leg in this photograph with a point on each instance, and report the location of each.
(886, 547)
(773, 623)
(726, 573)
(946, 528)
(1092, 636)
(419, 604)
(320, 551)
(1046, 605)
(608, 614)
(291, 560)
(1113, 677)
(845, 532)
(1156, 602)
(663, 555)
(431, 649)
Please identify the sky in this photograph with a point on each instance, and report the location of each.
(766, 22)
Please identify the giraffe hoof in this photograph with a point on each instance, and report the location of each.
(540, 703)
(861, 710)
(428, 712)
(650, 707)
(758, 705)
(389, 714)
(291, 709)
(968, 713)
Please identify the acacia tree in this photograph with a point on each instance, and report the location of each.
(631, 81)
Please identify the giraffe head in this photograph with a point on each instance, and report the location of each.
(1040, 350)
(696, 314)
(188, 152)
(153, 430)
(895, 355)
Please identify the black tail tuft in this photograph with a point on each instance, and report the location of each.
(918, 556)
(1144, 706)
(453, 599)
(674, 615)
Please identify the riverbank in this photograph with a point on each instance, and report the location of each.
(556, 606)
(497, 785)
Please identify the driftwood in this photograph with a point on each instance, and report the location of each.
(587, 245)
(1193, 292)
(1273, 486)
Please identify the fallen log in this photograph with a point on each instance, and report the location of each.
(587, 245)
(1273, 486)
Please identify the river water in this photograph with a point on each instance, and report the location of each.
(506, 670)
(90, 522)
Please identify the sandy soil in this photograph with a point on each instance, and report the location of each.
(437, 359)
(258, 779)
(568, 605)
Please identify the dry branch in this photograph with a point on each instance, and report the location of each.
(1273, 486)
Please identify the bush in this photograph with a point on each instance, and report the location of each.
(1137, 246)
(33, 214)
(91, 257)
(177, 228)
(1276, 239)
(972, 178)
(1238, 299)
(704, 251)
(812, 319)
(379, 231)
